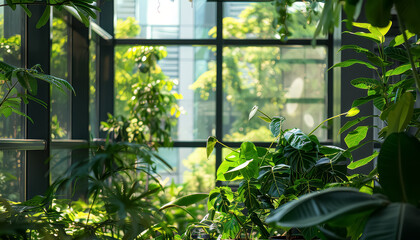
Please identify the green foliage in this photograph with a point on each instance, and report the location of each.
(85, 8)
(362, 212)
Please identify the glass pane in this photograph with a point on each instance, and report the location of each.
(59, 163)
(60, 102)
(282, 81)
(193, 68)
(12, 175)
(190, 166)
(93, 108)
(164, 19)
(245, 20)
(11, 32)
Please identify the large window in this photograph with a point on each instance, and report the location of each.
(226, 57)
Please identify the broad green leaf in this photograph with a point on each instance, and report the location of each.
(231, 228)
(400, 70)
(27, 11)
(211, 142)
(5, 111)
(298, 140)
(398, 40)
(44, 18)
(378, 12)
(353, 112)
(351, 62)
(397, 54)
(361, 25)
(274, 179)
(249, 153)
(185, 200)
(276, 125)
(219, 199)
(398, 165)
(363, 100)
(253, 112)
(400, 114)
(249, 192)
(408, 12)
(354, 137)
(395, 221)
(299, 160)
(321, 207)
(242, 169)
(365, 83)
(353, 165)
(351, 123)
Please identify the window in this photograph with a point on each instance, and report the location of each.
(226, 58)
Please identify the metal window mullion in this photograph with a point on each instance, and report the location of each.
(330, 85)
(38, 48)
(79, 75)
(219, 83)
(105, 76)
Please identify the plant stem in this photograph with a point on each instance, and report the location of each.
(226, 146)
(8, 93)
(326, 120)
(90, 209)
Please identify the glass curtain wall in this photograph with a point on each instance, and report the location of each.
(225, 58)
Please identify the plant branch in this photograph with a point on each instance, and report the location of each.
(8, 93)
(326, 120)
(47, 3)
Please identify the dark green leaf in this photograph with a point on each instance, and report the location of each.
(354, 137)
(275, 125)
(398, 167)
(44, 18)
(300, 161)
(408, 12)
(400, 70)
(298, 140)
(211, 142)
(320, 207)
(400, 114)
(397, 54)
(185, 200)
(257, 221)
(351, 123)
(274, 180)
(378, 12)
(364, 100)
(395, 221)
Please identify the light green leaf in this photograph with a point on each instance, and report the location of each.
(395, 221)
(211, 142)
(401, 113)
(353, 165)
(364, 100)
(266, 119)
(354, 137)
(353, 112)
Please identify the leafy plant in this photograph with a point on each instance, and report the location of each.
(267, 178)
(392, 211)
